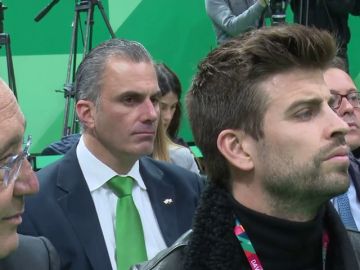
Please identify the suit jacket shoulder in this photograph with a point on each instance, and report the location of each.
(174, 193)
(355, 241)
(64, 212)
(35, 252)
(161, 174)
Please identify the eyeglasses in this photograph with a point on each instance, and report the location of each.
(10, 171)
(353, 98)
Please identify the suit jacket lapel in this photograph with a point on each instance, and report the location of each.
(162, 198)
(78, 206)
(354, 172)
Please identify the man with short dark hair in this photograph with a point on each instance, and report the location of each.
(18, 252)
(275, 153)
(106, 205)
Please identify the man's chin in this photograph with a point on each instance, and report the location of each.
(8, 244)
(145, 150)
(340, 184)
(353, 139)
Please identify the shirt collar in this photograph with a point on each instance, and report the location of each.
(96, 173)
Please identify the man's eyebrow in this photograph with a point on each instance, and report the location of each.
(14, 141)
(131, 93)
(310, 101)
(350, 90)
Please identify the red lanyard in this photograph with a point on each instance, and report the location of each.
(250, 252)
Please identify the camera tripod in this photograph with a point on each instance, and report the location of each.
(5, 41)
(306, 12)
(87, 6)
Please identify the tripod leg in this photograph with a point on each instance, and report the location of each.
(69, 90)
(68, 87)
(301, 12)
(106, 20)
(89, 29)
(307, 13)
(10, 66)
(72, 47)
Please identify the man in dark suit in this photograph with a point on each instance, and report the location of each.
(17, 180)
(33, 253)
(118, 107)
(346, 103)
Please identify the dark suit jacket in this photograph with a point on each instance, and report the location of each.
(33, 253)
(355, 241)
(64, 212)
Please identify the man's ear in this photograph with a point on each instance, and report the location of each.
(85, 110)
(234, 145)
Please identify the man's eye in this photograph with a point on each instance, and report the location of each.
(305, 114)
(352, 97)
(333, 102)
(7, 160)
(128, 100)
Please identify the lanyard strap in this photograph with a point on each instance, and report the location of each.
(250, 252)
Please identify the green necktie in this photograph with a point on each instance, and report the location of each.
(129, 236)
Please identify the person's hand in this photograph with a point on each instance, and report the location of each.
(264, 3)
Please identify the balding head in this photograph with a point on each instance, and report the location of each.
(12, 190)
(340, 85)
(8, 103)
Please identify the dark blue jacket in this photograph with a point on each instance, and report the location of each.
(64, 212)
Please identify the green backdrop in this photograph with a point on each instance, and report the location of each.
(175, 32)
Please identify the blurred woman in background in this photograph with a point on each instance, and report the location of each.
(166, 150)
(168, 146)
(170, 105)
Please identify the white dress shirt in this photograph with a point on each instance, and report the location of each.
(96, 174)
(354, 204)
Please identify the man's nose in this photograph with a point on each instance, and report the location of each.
(151, 110)
(345, 107)
(335, 125)
(27, 182)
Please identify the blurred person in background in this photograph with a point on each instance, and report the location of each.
(171, 112)
(346, 103)
(165, 149)
(330, 15)
(232, 18)
(170, 105)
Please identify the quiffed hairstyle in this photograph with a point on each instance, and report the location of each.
(89, 74)
(225, 92)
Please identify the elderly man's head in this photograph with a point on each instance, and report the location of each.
(16, 176)
(346, 102)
